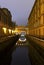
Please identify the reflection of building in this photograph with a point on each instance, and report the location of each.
(5, 20)
(36, 19)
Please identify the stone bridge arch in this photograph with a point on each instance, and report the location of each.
(21, 29)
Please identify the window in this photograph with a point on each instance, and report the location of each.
(4, 19)
(39, 31)
(0, 16)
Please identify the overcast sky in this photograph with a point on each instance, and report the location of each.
(20, 9)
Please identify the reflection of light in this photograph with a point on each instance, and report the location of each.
(16, 33)
(10, 31)
(25, 40)
(16, 43)
(4, 29)
(22, 40)
(15, 30)
(22, 34)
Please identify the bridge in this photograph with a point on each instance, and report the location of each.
(20, 29)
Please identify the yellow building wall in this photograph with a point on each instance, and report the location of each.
(36, 19)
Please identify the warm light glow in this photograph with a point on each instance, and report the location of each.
(9, 31)
(12, 31)
(15, 30)
(16, 43)
(4, 29)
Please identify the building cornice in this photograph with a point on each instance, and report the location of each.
(32, 9)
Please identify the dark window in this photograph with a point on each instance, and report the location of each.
(4, 19)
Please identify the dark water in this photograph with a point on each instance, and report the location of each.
(20, 56)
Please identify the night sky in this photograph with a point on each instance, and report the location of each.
(20, 9)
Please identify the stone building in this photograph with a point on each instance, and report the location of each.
(8, 17)
(36, 19)
(5, 21)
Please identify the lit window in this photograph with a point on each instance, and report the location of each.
(4, 29)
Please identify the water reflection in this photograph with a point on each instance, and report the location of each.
(5, 56)
(20, 56)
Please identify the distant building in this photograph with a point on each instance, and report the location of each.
(36, 19)
(22, 29)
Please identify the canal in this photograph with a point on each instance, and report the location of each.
(20, 56)
(15, 54)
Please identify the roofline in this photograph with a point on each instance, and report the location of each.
(3, 12)
(32, 9)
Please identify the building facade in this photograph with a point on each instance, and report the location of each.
(6, 23)
(22, 29)
(36, 19)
